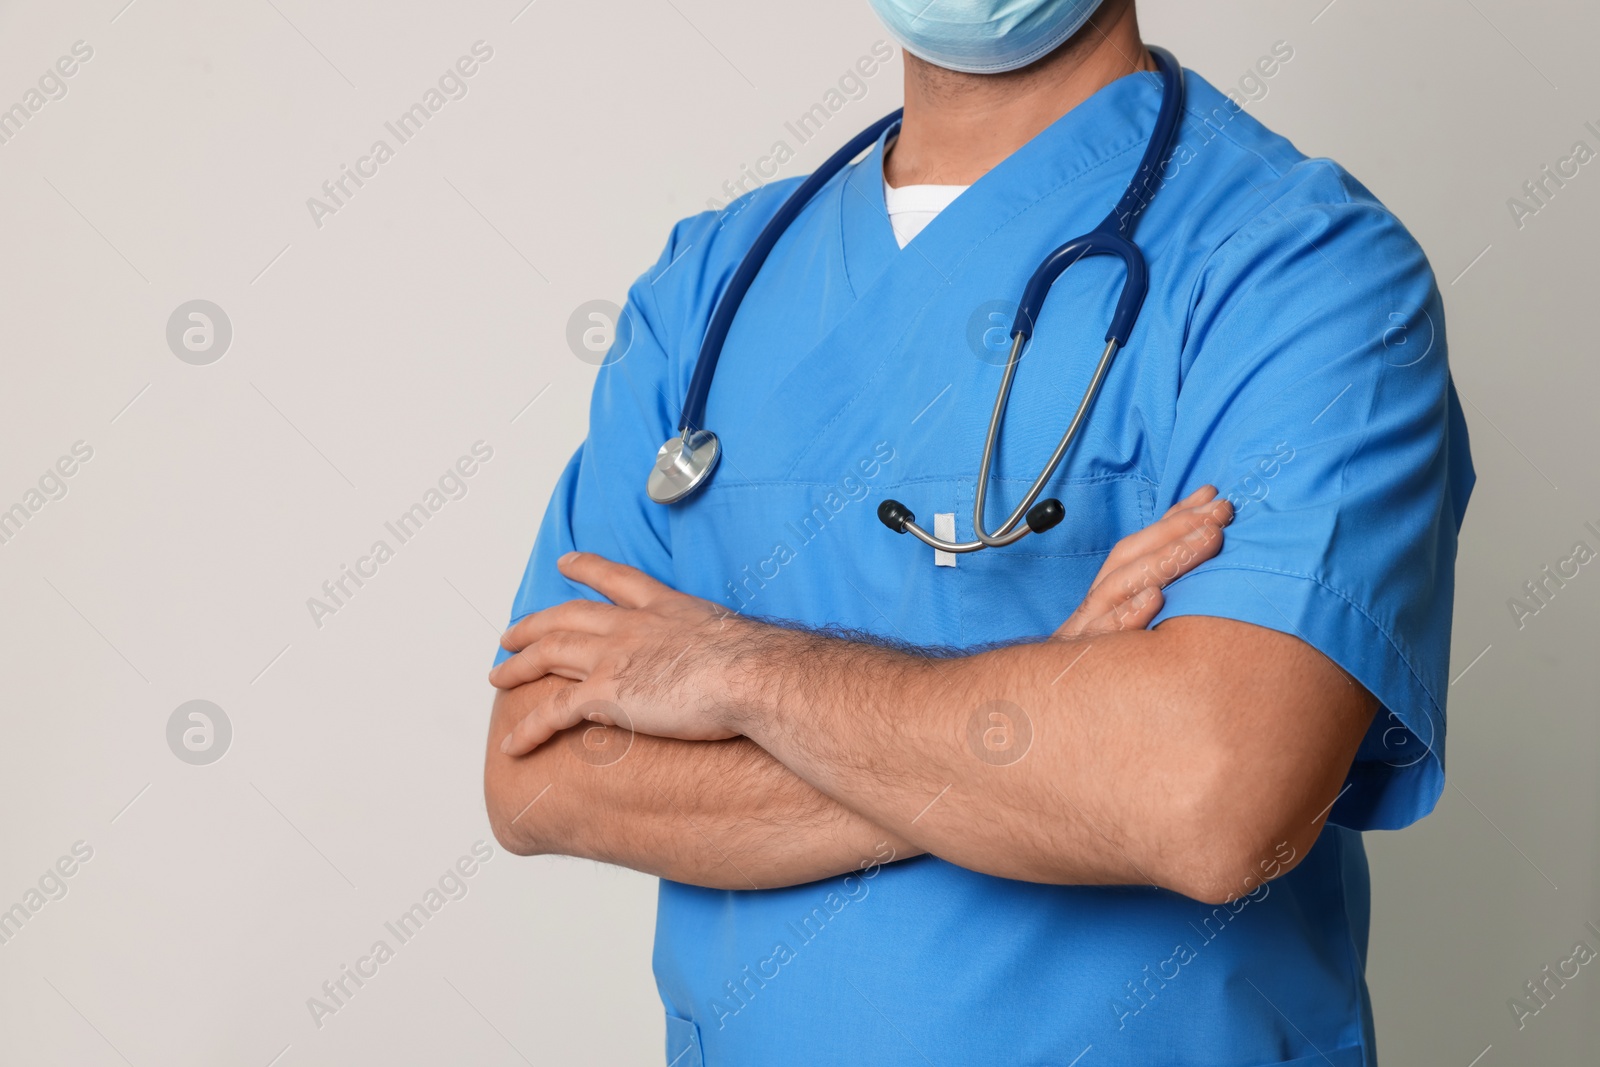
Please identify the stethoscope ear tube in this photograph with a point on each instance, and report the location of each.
(1111, 237)
(1015, 527)
(685, 463)
(900, 519)
(1135, 282)
(1114, 234)
(705, 368)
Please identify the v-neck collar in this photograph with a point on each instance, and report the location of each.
(1065, 179)
(1117, 118)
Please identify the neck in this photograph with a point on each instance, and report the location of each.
(959, 126)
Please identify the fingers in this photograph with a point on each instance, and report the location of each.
(617, 582)
(543, 722)
(1202, 495)
(1129, 595)
(586, 616)
(1164, 530)
(1134, 613)
(1198, 538)
(565, 653)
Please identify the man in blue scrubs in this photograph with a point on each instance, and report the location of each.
(923, 820)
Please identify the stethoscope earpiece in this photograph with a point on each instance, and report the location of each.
(1046, 515)
(895, 515)
(1043, 516)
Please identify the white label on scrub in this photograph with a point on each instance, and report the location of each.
(944, 528)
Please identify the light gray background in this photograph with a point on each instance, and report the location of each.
(369, 354)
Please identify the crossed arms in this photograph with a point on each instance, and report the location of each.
(761, 756)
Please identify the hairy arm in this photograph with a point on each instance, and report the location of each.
(891, 735)
(1183, 756)
(718, 814)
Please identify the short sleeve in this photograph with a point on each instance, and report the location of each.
(1316, 395)
(599, 504)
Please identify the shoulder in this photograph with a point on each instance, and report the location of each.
(1256, 189)
(680, 290)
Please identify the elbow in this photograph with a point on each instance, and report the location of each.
(517, 844)
(1231, 838)
(513, 833)
(507, 834)
(1222, 872)
(512, 786)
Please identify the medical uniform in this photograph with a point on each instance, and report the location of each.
(1291, 351)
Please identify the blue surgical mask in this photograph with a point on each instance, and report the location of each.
(983, 36)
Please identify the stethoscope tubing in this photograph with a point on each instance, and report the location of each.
(685, 462)
(705, 368)
(1111, 237)
(1009, 531)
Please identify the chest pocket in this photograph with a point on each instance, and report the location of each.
(815, 553)
(1029, 588)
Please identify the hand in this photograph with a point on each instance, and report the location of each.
(1126, 594)
(655, 660)
(649, 661)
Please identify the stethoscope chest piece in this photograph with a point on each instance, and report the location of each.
(682, 465)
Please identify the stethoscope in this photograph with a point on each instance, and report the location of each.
(685, 462)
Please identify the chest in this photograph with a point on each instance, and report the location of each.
(836, 391)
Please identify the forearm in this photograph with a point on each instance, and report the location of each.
(719, 814)
(1132, 773)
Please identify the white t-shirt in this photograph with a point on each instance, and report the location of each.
(911, 207)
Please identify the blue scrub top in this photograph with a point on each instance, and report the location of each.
(1291, 352)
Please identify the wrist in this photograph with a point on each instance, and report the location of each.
(755, 665)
